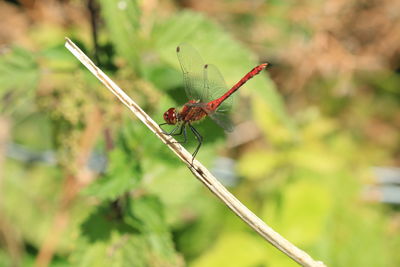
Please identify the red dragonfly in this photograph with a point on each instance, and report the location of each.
(207, 92)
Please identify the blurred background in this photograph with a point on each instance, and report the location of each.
(315, 151)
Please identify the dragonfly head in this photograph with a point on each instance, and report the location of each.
(170, 116)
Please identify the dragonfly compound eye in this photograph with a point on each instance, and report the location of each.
(170, 116)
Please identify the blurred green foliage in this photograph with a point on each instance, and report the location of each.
(303, 173)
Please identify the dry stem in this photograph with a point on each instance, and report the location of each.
(198, 169)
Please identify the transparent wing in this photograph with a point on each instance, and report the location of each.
(219, 117)
(222, 119)
(216, 87)
(204, 83)
(192, 66)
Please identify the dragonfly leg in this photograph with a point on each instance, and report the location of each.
(199, 139)
(161, 124)
(184, 134)
(172, 133)
(182, 130)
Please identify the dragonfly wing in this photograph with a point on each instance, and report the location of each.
(192, 66)
(219, 117)
(222, 119)
(216, 87)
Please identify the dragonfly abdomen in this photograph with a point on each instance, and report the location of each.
(217, 102)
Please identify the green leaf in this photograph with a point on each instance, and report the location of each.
(135, 234)
(119, 251)
(147, 215)
(121, 176)
(19, 75)
(103, 221)
(122, 21)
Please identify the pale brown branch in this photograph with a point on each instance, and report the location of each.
(199, 171)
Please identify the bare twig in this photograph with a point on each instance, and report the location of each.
(198, 169)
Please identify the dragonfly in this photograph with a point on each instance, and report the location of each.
(208, 96)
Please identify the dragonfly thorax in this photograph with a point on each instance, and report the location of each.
(171, 116)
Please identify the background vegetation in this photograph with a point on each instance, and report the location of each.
(83, 183)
